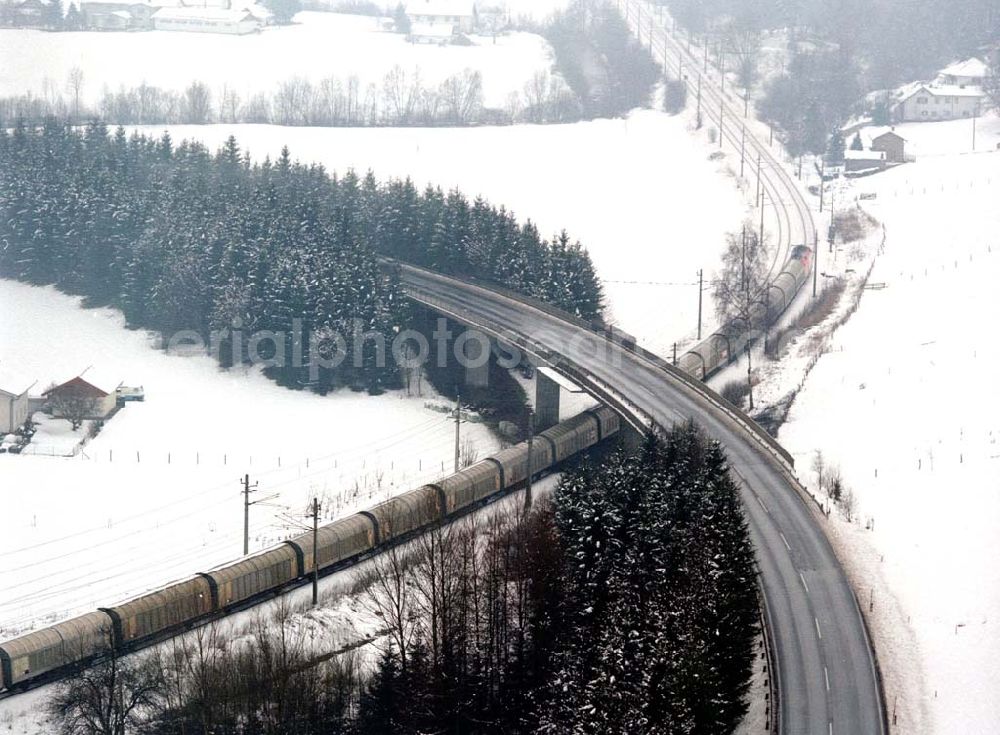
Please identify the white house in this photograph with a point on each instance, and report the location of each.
(457, 15)
(14, 407)
(927, 102)
(206, 20)
(969, 73)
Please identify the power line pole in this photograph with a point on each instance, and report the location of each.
(815, 262)
(758, 176)
(458, 430)
(531, 442)
(247, 489)
(743, 147)
(701, 291)
(722, 114)
(315, 574)
(822, 184)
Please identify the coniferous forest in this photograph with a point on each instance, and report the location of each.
(180, 238)
(626, 603)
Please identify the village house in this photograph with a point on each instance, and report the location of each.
(121, 15)
(206, 20)
(15, 407)
(98, 395)
(441, 18)
(969, 73)
(929, 102)
(892, 144)
(29, 13)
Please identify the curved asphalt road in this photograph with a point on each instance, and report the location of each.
(825, 668)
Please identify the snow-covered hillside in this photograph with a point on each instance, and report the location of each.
(156, 495)
(639, 193)
(905, 404)
(317, 46)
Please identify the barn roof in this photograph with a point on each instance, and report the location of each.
(100, 381)
(969, 68)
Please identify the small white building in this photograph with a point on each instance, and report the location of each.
(929, 102)
(969, 73)
(457, 15)
(206, 20)
(14, 404)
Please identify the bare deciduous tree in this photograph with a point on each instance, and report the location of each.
(114, 697)
(74, 82)
(73, 404)
(741, 289)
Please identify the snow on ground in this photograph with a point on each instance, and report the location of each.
(639, 193)
(905, 404)
(156, 495)
(317, 46)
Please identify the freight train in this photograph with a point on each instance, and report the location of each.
(721, 347)
(44, 653)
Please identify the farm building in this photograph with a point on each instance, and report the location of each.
(969, 73)
(453, 16)
(14, 403)
(929, 102)
(206, 20)
(863, 161)
(29, 13)
(92, 397)
(892, 144)
(121, 15)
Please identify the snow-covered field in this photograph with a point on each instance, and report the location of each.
(906, 404)
(639, 193)
(156, 495)
(317, 46)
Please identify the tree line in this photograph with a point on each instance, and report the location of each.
(180, 238)
(402, 99)
(626, 604)
(839, 51)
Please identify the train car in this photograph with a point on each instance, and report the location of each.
(150, 614)
(572, 436)
(609, 422)
(336, 541)
(253, 575)
(36, 653)
(406, 512)
(513, 462)
(470, 485)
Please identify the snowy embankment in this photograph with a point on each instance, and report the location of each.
(904, 404)
(639, 193)
(315, 47)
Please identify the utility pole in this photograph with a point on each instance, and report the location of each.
(701, 291)
(815, 262)
(247, 489)
(675, 354)
(531, 442)
(822, 183)
(315, 574)
(763, 192)
(975, 114)
(698, 118)
(722, 114)
(743, 147)
(458, 430)
(758, 177)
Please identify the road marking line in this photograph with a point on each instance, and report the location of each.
(762, 505)
(826, 675)
(818, 631)
(803, 581)
(784, 540)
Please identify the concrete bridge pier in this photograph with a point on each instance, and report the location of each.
(546, 401)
